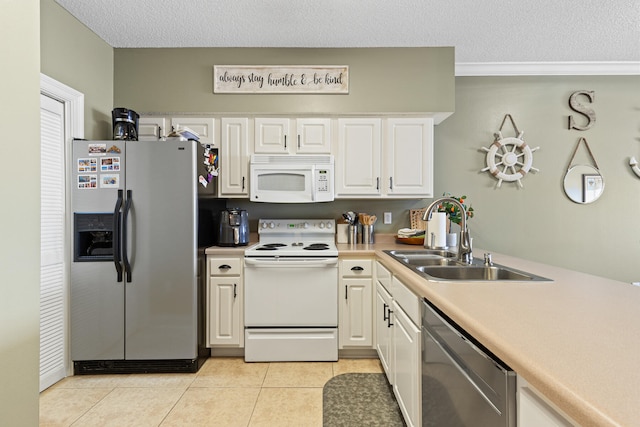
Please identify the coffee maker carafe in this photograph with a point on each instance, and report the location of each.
(125, 124)
(234, 228)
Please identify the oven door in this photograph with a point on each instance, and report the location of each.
(281, 184)
(291, 292)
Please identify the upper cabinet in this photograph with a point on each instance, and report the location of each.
(394, 162)
(408, 157)
(234, 157)
(277, 135)
(357, 157)
(150, 127)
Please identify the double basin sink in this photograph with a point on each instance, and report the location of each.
(443, 266)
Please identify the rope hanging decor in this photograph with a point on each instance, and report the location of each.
(509, 159)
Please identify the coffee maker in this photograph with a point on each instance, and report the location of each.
(125, 124)
(234, 227)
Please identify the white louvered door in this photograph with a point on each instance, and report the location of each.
(53, 269)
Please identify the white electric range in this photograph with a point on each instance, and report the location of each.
(291, 292)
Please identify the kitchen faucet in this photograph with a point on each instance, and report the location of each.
(464, 242)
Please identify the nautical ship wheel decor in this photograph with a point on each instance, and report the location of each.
(509, 159)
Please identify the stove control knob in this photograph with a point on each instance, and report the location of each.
(305, 225)
(272, 225)
(329, 225)
(264, 225)
(322, 225)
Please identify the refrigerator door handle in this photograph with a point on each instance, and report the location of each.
(125, 221)
(116, 235)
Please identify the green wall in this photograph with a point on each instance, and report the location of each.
(74, 55)
(381, 79)
(539, 222)
(20, 214)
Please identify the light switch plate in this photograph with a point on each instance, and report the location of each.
(387, 218)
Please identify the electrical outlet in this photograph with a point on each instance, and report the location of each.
(387, 218)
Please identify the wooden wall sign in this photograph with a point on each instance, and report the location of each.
(267, 79)
(587, 112)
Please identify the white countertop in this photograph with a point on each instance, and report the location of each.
(576, 339)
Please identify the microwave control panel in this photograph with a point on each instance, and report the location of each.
(323, 184)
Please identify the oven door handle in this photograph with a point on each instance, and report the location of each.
(291, 262)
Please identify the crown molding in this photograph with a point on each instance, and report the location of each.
(621, 68)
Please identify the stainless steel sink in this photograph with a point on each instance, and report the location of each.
(442, 266)
(471, 273)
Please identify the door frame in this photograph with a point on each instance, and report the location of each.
(73, 102)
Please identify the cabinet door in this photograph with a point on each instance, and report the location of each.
(358, 157)
(407, 383)
(536, 411)
(234, 157)
(313, 136)
(408, 157)
(271, 135)
(355, 324)
(384, 327)
(224, 303)
(151, 128)
(203, 126)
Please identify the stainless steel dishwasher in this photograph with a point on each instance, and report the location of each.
(463, 384)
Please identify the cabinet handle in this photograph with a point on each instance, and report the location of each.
(298, 142)
(235, 293)
(243, 183)
(378, 183)
(345, 292)
(224, 267)
(357, 268)
(385, 316)
(285, 142)
(389, 324)
(391, 183)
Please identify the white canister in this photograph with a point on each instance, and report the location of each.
(342, 233)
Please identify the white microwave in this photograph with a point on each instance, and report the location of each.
(291, 178)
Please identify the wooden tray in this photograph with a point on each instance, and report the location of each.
(418, 240)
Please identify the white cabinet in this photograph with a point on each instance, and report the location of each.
(536, 411)
(408, 157)
(203, 126)
(277, 135)
(407, 352)
(357, 157)
(382, 316)
(225, 326)
(234, 157)
(395, 163)
(152, 128)
(355, 324)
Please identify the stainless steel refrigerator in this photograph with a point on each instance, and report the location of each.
(136, 304)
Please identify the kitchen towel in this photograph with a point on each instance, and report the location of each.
(438, 226)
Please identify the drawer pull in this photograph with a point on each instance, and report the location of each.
(389, 324)
(224, 267)
(385, 316)
(357, 268)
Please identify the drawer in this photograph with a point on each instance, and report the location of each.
(383, 276)
(225, 266)
(356, 267)
(406, 299)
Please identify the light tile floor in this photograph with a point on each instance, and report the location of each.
(225, 392)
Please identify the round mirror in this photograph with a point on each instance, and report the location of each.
(583, 183)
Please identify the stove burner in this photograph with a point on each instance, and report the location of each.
(270, 247)
(317, 247)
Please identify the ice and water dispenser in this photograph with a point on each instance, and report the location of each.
(93, 237)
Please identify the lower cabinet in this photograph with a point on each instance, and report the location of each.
(355, 320)
(536, 411)
(399, 342)
(225, 325)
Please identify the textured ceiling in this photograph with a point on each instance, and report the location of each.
(480, 30)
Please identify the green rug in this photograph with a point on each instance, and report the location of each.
(354, 400)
